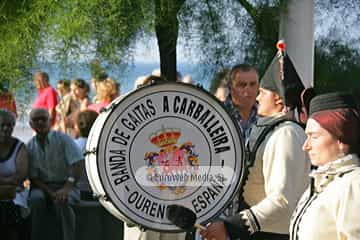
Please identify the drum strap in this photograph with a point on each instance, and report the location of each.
(250, 154)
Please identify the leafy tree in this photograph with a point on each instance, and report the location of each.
(266, 20)
(19, 34)
(71, 30)
(232, 31)
(337, 68)
(221, 32)
(167, 29)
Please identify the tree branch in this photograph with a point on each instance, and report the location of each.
(211, 15)
(250, 9)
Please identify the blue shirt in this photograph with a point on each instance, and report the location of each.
(245, 126)
(51, 162)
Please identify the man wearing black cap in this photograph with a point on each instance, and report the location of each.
(277, 168)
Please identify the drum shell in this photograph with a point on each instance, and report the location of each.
(96, 142)
(91, 165)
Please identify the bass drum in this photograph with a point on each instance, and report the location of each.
(163, 144)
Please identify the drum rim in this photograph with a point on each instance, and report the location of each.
(112, 108)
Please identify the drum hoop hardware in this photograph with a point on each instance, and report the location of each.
(93, 151)
(108, 108)
(109, 115)
(100, 197)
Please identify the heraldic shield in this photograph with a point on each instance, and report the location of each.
(165, 144)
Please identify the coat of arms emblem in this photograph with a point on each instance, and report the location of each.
(173, 165)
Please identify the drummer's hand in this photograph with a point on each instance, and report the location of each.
(215, 231)
(61, 195)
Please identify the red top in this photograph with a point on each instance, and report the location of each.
(46, 98)
(7, 101)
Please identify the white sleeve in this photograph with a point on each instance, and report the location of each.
(347, 210)
(285, 170)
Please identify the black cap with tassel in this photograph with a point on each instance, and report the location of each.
(281, 77)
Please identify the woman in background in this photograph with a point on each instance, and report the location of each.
(106, 91)
(80, 95)
(13, 170)
(66, 106)
(80, 91)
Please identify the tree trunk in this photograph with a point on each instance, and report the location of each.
(167, 27)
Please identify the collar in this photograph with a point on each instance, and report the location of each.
(47, 138)
(328, 172)
(264, 121)
(229, 104)
(44, 88)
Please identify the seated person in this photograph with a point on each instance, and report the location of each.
(83, 124)
(13, 170)
(55, 164)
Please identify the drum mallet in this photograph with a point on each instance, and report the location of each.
(182, 217)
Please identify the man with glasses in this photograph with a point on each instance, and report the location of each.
(54, 167)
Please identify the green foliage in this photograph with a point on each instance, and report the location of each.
(265, 26)
(19, 41)
(97, 71)
(105, 29)
(222, 32)
(337, 68)
(68, 31)
(232, 31)
(207, 26)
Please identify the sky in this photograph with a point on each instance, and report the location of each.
(333, 19)
(338, 20)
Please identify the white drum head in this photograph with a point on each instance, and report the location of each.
(165, 144)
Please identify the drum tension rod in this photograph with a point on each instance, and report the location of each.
(93, 151)
(108, 108)
(100, 197)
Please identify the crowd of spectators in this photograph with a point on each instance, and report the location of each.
(41, 179)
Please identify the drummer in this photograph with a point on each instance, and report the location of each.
(329, 209)
(277, 174)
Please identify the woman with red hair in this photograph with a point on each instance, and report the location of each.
(329, 209)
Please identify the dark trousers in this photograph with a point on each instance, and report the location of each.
(255, 236)
(23, 230)
(268, 236)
